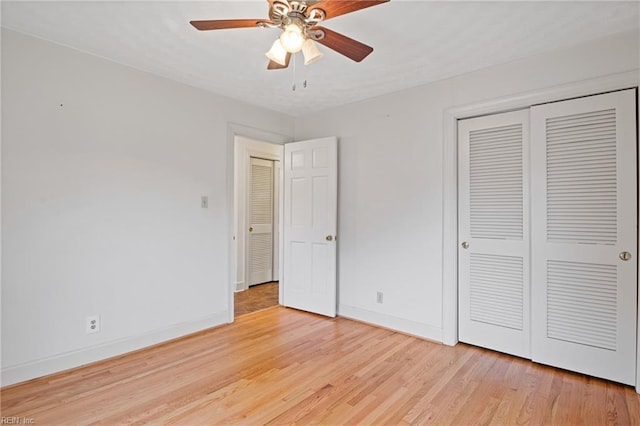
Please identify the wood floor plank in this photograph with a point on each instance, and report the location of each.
(282, 366)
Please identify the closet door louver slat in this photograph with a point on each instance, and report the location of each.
(495, 163)
(261, 258)
(570, 168)
(496, 290)
(262, 195)
(579, 312)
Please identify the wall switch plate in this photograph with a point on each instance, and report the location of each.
(204, 202)
(92, 324)
(379, 297)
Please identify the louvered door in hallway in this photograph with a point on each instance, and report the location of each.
(571, 301)
(261, 218)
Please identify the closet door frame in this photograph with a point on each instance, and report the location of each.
(450, 184)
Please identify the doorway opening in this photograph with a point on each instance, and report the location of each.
(257, 217)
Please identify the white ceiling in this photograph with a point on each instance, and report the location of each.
(415, 42)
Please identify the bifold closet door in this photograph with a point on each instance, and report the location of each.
(493, 229)
(584, 235)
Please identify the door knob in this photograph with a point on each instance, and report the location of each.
(465, 245)
(251, 229)
(328, 238)
(625, 255)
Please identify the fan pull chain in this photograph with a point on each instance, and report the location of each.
(304, 82)
(293, 58)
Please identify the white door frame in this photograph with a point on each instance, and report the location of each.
(234, 130)
(450, 182)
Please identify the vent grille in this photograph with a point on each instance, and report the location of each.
(495, 167)
(496, 290)
(582, 303)
(581, 178)
(261, 195)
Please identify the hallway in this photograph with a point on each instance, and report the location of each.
(255, 298)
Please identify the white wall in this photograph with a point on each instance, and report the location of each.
(103, 168)
(391, 179)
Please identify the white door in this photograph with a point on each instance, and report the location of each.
(493, 228)
(584, 256)
(261, 218)
(310, 223)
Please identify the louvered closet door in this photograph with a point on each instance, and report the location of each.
(260, 259)
(584, 218)
(493, 228)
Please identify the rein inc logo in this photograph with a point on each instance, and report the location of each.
(16, 420)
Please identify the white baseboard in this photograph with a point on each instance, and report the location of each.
(240, 286)
(65, 361)
(389, 321)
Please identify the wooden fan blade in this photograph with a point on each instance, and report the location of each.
(333, 8)
(344, 45)
(223, 24)
(273, 65)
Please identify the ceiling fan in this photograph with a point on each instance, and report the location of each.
(299, 22)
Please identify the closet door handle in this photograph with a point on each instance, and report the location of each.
(465, 245)
(625, 255)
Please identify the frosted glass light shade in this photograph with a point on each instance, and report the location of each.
(277, 53)
(310, 52)
(292, 38)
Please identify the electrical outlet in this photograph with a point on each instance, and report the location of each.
(379, 297)
(204, 202)
(92, 324)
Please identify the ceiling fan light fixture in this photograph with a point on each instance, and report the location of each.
(277, 53)
(298, 22)
(292, 38)
(310, 52)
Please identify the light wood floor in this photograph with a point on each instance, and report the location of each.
(282, 366)
(255, 298)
